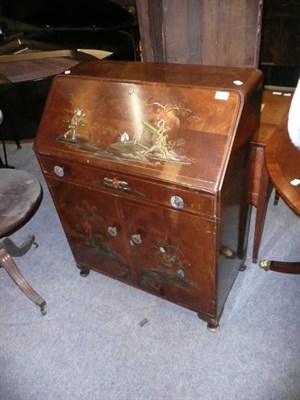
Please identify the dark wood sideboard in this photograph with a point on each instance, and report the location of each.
(148, 167)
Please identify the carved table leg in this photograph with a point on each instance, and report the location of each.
(281, 266)
(11, 268)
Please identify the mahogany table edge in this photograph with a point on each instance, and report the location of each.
(277, 178)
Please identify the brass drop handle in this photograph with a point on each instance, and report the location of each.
(136, 239)
(112, 230)
(59, 171)
(116, 184)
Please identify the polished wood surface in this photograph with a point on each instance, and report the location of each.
(275, 105)
(147, 167)
(22, 59)
(283, 165)
(274, 109)
(20, 195)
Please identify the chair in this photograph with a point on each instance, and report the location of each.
(21, 195)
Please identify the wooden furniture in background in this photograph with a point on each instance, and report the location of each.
(20, 194)
(274, 109)
(207, 32)
(283, 165)
(280, 34)
(147, 166)
(26, 70)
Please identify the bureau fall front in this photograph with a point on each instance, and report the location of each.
(147, 165)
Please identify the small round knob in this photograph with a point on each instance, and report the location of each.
(177, 202)
(59, 171)
(136, 239)
(112, 230)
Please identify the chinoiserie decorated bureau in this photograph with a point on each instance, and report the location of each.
(147, 165)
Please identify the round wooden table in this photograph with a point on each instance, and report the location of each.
(20, 197)
(283, 165)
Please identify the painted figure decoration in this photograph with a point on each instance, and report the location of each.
(155, 143)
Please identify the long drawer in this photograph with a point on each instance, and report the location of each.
(191, 201)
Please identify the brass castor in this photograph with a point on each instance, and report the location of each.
(213, 325)
(84, 273)
(265, 265)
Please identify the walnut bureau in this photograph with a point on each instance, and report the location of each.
(148, 167)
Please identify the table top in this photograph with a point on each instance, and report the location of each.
(275, 107)
(283, 165)
(22, 59)
(20, 196)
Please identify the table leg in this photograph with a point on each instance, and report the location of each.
(261, 209)
(11, 268)
(281, 266)
(17, 251)
(5, 164)
(276, 197)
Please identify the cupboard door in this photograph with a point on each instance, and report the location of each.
(93, 228)
(174, 254)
